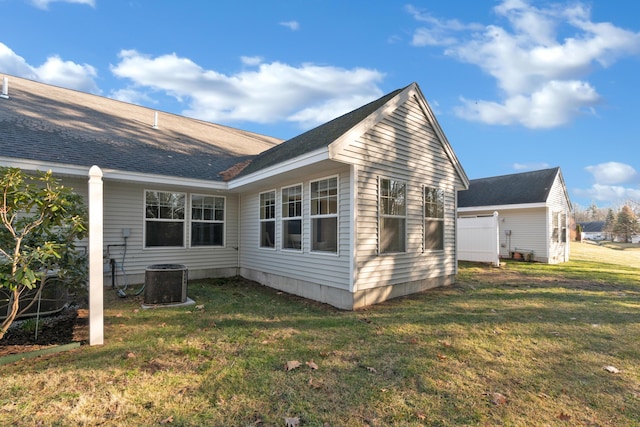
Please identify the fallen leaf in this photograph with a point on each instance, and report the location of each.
(370, 369)
(291, 422)
(291, 365)
(130, 355)
(312, 365)
(442, 356)
(199, 307)
(612, 369)
(445, 343)
(564, 417)
(167, 420)
(498, 399)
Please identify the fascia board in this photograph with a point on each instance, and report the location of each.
(110, 174)
(306, 159)
(502, 207)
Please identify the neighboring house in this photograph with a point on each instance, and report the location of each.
(351, 213)
(533, 211)
(593, 230)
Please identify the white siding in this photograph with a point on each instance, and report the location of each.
(303, 266)
(558, 205)
(403, 146)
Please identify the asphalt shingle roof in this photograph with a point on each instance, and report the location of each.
(54, 125)
(519, 188)
(316, 138)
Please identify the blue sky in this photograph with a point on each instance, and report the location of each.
(516, 85)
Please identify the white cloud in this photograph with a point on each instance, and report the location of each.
(614, 182)
(612, 173)
(530, 166)
(308, 94)
(541, 76)
(54, 71)
(251, 60)
(292, 25)
(44, 4)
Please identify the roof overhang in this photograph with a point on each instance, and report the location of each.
(303, 161)
(502, 207)
(75, 171)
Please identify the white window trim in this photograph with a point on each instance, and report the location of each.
(336, 215)
(288, 218)
(223, 222)
(274, 219)
(424, 219)
(381, 216)
(145, 219)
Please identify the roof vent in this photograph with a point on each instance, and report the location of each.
(5, 88)
(155, 120)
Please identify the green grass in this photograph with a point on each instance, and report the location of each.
(538, 335)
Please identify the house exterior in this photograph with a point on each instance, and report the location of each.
(533, 210)
(354, 212)
(593, 230)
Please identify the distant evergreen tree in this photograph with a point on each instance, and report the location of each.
(578, 233)
(626, 224)
(609, 222)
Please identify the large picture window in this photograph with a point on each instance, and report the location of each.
(207, 220)
(393, 216)
(292, 217)
(164, 218)
(268, 219)
(324, 215)
(433, 219)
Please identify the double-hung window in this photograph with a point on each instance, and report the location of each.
(207, 220)
(164, 218)
(268, 219)
(292, 217)
(324, 215)
(433, 218)
(392, 216)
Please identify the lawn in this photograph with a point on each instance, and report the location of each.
(521, 345)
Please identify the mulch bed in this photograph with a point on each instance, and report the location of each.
(69, 325)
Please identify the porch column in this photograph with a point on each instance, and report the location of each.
(96, 307)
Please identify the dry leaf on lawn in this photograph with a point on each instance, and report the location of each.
(498, 399)
(564, 417)
(612, 369)
(312, 365)
(291, 421)
(291, 365)
(370, 369)
(167, 420)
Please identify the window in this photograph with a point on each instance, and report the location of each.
(433, 219)
(393, 216)
(555, 235)
(563, 228)
(292, 217)
(207, 220)
(164, 218)
(324, 215)
(268, 219)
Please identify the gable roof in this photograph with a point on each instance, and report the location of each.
(342, 130)
(315, 138)
(50, 125)
(519, 188)
(592, 226)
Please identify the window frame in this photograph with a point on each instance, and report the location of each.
(382, 216)
(146, 220)
(266, 220)
(439, 208)
(212, 221)
(285, 219)
(319, 216)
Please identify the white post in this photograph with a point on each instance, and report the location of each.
(96, 304)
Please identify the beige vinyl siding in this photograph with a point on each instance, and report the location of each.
(558, 203)
(403, 146)
(124, 206)
(326, 269)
